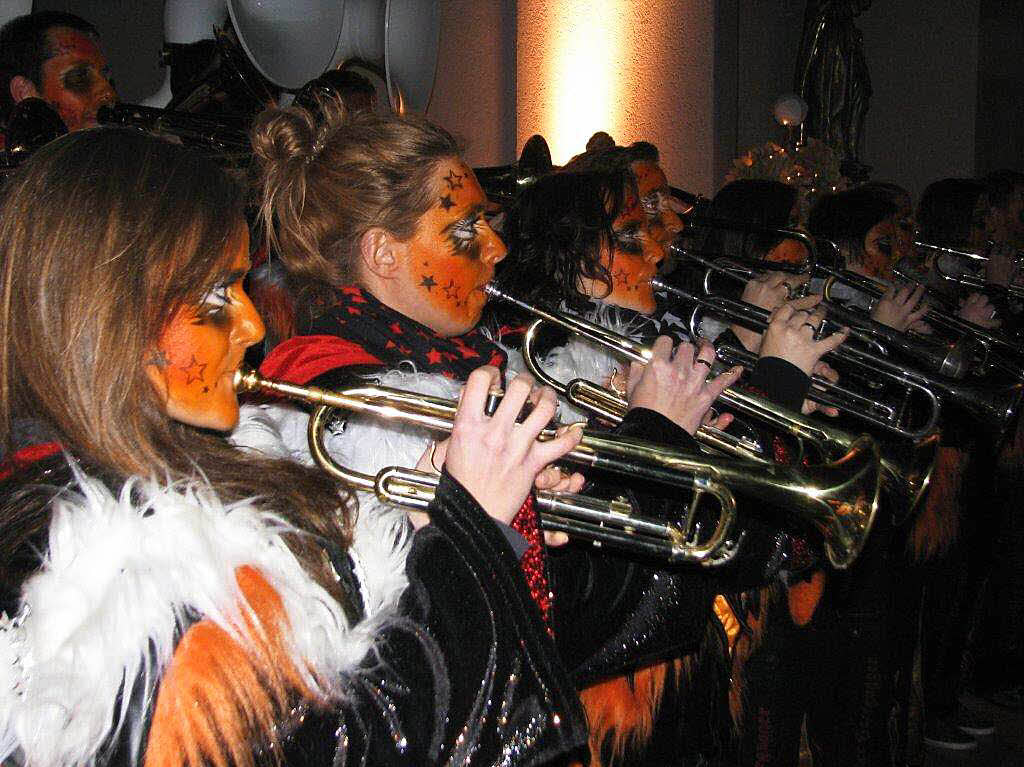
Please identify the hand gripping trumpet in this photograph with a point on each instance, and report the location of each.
(906, 470)
(838, 499)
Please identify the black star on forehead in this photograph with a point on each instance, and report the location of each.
(427, 282)
(446, 202)
(453, 180)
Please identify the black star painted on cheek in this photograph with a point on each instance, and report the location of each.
(427, 282)
(446, 202)
(453, 180)
(450, 291)
(194, 371)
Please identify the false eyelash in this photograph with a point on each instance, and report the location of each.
(629, 241)
(213, 303)
(652, 204)
(463, 234)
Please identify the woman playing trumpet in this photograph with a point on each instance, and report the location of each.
(576, 243)
(381, 226)
(169, 599)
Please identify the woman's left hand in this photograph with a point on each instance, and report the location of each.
(826, 371)
(978, 309)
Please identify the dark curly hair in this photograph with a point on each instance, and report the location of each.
(945, 213)
(555, 233)
(759, 202)
(847, 217)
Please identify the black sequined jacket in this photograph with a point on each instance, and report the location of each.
(443, 661)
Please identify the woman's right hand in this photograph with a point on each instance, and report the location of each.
(768, 291)
(772, 289)
(675, 382)
(496, 459)
(902, 308)
(791, 331)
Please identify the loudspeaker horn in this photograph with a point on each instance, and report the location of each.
(294, 41)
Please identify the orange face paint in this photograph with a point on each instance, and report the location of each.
(452, 253)
(652, 185)
(632, 259)
(787, 252)
(881, 249)
(76, 78)
(203, 345)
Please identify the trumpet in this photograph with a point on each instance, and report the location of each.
(906, 468)
(948, 359)
(977, 257)
(838, 499)
(984, 341)
(225, 136)
(996, 409)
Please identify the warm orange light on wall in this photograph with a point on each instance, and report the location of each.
(583, 67)
(576, 49)
(636, 69)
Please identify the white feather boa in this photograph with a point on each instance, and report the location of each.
(120, 574)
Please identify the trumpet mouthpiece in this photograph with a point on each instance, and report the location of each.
(246, 380)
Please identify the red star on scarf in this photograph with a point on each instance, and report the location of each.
(396, 328)
(465, 351)
(433, 356)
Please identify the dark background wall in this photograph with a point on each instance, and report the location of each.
(948, 78)
(999, 130)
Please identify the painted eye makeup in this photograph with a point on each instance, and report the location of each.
(77, 79)
(628, 240)
(464, 233)
(884, 245)
(212, 306)
(652, 204)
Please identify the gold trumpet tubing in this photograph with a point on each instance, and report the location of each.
(840, 501)
(822, 391)
(611, 406)
(613, 523)
(601, 522)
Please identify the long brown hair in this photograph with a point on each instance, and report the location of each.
(104, 234)
(324, 179)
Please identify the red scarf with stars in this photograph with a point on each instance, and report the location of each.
(357, 329)
(391, 337)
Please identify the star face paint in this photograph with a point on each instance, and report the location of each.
(76, 78)
(451, 255)
(652, 184)
(203, 345)
(632, 259)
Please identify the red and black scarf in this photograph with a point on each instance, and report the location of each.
(357, 329)
(391, 337)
